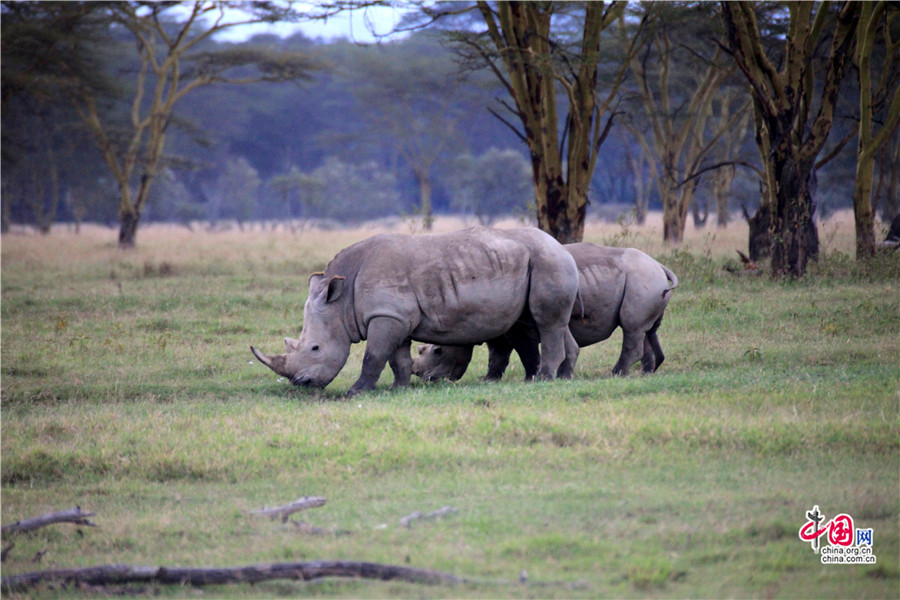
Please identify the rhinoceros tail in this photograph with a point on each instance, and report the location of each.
(673, 279)
(580, 304)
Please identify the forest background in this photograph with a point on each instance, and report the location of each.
(405, 127)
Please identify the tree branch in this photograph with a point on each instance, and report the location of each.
(718, 165)
(508, 124)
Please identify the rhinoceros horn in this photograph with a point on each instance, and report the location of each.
(277, 363)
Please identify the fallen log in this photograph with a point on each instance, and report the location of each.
(305, 571)
(284, 512)
(73, 515)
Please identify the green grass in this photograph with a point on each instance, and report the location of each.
(128, 389)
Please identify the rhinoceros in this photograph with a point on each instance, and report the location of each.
(618, 287)
(460, 288)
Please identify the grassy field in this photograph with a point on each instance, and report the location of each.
(128, 388)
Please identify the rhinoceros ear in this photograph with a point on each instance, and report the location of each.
(332, 291)
(335, 288)
(314, 279)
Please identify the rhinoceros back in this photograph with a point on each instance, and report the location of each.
(459, 287)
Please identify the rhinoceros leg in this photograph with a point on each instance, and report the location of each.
(385, 336)
(499, 350)
(648, 360)
(567, 368)
(651, 346)
(401, 364)
(553, 351)
(632, 346)
(524, 339)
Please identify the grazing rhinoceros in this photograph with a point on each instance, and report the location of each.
(618, 287)
(461, 288)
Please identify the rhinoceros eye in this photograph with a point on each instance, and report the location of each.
(315, 348)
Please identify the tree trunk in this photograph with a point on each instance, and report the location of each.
(674, 218)
(640, 190)
(795, 240)
(425, 199)
(863, 211)
(889, 180)
(128, 226)
(559, 215)
(721, 187)
(760, 225)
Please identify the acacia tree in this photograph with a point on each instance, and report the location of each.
(876, 17)
(790, 132)
(496, 183)
(175, 59)
(40, 132)
(548, 55)
(731, 104)
(681, 125)
(412, 100)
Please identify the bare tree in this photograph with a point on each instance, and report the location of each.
(682, 129)
(414, 103)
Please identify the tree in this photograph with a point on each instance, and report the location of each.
(412, 100)
(790, 132)
(286, 186)
(175, 59)
(875, 17)
(236, 191)
(40, 144)
(492, 184)
(350, 192)
(731, 104)
(547, 55)
(679, 122)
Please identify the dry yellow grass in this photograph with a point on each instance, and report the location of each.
(159, 244)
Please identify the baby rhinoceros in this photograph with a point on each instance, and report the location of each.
(618, 287)
(464, 287)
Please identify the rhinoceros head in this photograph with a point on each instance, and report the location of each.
(319, 355)
(441, 362)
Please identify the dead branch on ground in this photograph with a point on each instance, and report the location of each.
(283, 512)
(72, 515)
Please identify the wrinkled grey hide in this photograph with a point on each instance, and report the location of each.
(458, 288)
(618, 287)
